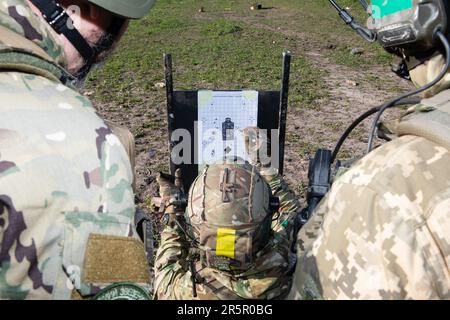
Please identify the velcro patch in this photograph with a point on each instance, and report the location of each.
(122, 291)
(111, 259)
(225, 242)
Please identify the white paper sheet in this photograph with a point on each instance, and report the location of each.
(222, 115)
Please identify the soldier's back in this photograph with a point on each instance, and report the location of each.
(382, 231)
(63, 176)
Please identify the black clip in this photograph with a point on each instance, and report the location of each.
(319, 180)
(193, 277)
(58, 19)
(144, 228)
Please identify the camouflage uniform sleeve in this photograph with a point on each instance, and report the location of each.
(289, 206)
(170, 262)
(380, 231)
(328, 267)
(360, 250)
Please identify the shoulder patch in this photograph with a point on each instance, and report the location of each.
(123, 291)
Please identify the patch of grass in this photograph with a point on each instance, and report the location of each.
(220, 27)
(211, 50)
(151, 124)
(223, 49)
(148, 203)
(380, 83)
(346, 154)
(159, 24)
(306, 148)
(321, 21)
(302, 189)
(369, 57)
(139, 132)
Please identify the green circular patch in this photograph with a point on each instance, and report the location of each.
(123, 291)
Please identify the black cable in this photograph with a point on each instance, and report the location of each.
(364, 4)
(105, 43)
(194, 241)
(363, 117)
(367, 34)
(335, 5)
(391, 103)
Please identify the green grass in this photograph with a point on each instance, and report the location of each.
(342, 55)
(220, 27)
(223, 48)
(209, 50)
(307, 148)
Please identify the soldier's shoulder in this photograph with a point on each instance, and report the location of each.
(408, 176)
(19, 21)
(36, 90)
(404, 159)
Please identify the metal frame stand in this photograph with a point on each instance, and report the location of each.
(185, 102)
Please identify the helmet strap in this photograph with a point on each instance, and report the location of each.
(60, 21)
(104, 44)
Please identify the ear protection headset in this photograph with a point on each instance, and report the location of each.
(415, 30)
(407, 27)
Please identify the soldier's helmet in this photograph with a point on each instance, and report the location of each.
(129, 9)
(230, 211)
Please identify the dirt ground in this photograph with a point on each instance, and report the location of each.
(350, 94)
(349, 90)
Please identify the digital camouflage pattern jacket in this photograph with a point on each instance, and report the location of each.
(383, 231)
(66, 200)
(269, 278)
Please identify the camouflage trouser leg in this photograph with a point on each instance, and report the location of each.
(127, 140)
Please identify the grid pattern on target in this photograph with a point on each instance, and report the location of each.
(222, 115)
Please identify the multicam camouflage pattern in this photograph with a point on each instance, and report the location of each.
(382, 232)
(268, 276)
(35, 49)
(234, 197)
(63, 174)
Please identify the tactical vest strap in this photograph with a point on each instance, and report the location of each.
(13, 40)
(60, 21)
(430, 120)
(20, 54)
(214, 286)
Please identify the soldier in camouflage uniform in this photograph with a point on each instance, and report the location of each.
(66, 199)
(230, 243)
(383, 231)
